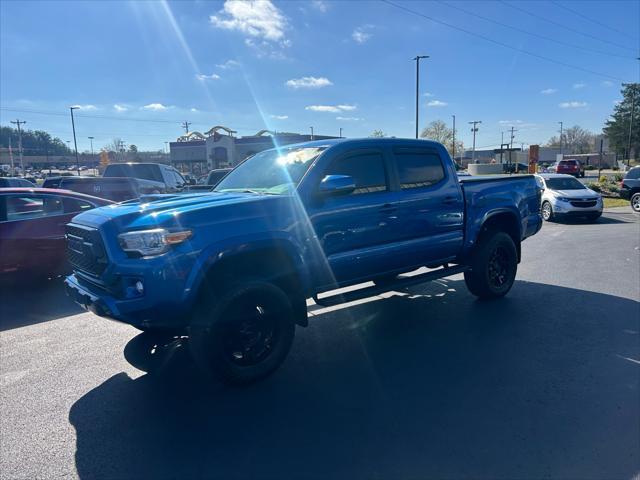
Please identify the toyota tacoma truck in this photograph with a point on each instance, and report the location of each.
(229, 271)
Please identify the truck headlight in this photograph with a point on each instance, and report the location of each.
(151, 242)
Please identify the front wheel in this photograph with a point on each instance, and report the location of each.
(493, 266)
(547, 212)
(244, 334)
(635, 202)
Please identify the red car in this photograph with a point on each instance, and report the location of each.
(32, 225)
(570, 167)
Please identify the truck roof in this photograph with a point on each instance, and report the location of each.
(410, 142)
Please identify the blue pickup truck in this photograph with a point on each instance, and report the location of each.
(231, 270)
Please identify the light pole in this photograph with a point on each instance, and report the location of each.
(311, 132)
(340, 132)
(91, 140)
(474, 129)
(417, 59)
(19, 122)
(75, 143)
(561, 151)
(633, 107)
(453, 145)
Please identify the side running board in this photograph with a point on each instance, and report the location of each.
(400, 283)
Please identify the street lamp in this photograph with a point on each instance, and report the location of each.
(311, 132)
(474, 130)
(75, 143)
(91, 140)
(417, 59)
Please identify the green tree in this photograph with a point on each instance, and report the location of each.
(378, 134)
(34, 142)
(619, 125)
(439, 131)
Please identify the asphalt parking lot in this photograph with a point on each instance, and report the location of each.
(424, 383)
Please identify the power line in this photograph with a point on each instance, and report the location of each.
(488, 39)
(544, 37)
(575, 12)
(562, 25)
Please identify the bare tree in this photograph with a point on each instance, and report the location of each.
(574, 140)
(378, 134)
(440, 132)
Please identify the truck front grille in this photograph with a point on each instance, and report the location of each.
(85, 249)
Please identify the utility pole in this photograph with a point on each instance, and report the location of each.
(75, 143)
(453, 146)
(511, 146)
(417, 59)
(561, 151)
(311, 132)
(633, 107)
(91, 140)
(18, 123)
(474, 129)
(13, 170)
(185, 125)
(340, 132)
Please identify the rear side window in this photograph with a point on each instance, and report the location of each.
(72, 205)
(24, 207)
(633, 174)
(367, 170)
(418, 169)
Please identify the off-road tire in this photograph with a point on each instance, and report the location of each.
(494, 263)
(249, 319)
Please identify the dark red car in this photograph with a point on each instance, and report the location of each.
(570, 167)
(32, 227)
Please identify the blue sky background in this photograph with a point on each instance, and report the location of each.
(139, 69)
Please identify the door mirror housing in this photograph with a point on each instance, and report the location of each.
(337, 185)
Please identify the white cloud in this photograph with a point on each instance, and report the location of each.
(194, 110)
(437, 103)
(85, 107)
(120, 107)
(578, 86)
(155, 107)
(607, 83)
(202, 77)
(362, 34)
(573, 104)
(349, 119)
(279, 117)
(259, 18)
(228, 65)
(548, 91)
(330, 108)
(308, 82)
(320, 5)
(427, 94)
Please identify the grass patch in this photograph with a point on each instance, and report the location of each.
(615, 202)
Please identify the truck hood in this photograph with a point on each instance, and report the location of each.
(164, 209)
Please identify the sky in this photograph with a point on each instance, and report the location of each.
(137, 70)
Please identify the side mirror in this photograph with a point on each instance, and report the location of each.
(337, 185)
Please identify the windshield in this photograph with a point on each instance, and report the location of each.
(276, 171)
(560, 183)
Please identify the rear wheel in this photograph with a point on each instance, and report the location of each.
(635, 202)
(244, 334)
(493, 266)
(547, 212)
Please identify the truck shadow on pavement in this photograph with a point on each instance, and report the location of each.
(26, 303)
(431, 384)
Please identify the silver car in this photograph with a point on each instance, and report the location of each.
(563, 196)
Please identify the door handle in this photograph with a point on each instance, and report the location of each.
(450, 200)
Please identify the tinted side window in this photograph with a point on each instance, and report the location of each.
(23, 207)
(366, 169)
(72, 205)
(418, 169)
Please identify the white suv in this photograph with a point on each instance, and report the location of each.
(563, 196)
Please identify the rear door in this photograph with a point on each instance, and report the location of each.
(431, 208)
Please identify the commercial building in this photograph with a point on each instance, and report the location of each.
(219, 147)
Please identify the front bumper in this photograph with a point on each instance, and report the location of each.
(141, 312)
(566, 209)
